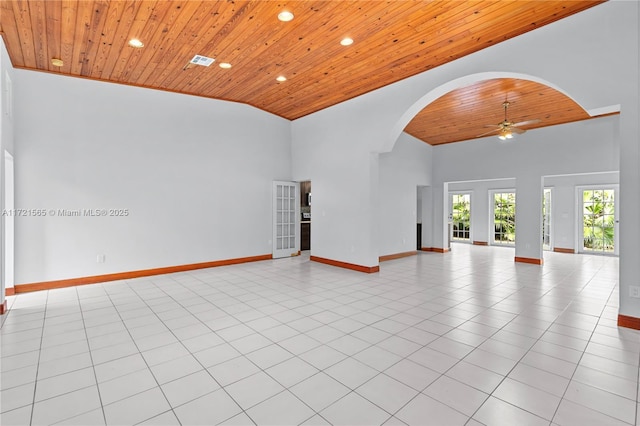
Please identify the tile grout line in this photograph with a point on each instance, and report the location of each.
(93, 366)
(35, 388)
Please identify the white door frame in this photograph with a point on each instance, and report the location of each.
(550, 224)
(8, 243)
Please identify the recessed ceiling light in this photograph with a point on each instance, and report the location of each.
(134, 42)
(285, 16)
(56, 62)
(281, 78)
(346, 41)
(225, 65)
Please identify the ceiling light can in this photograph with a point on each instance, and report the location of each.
(281, 78)
(224, 65)
(134, 42)
(285, 16)
(57, 62)
(347, 41)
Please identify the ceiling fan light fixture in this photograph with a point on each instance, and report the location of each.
(505, 134)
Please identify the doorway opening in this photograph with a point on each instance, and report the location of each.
(305, 215)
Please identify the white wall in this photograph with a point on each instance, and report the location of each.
(195, 175)
(401, 172)
(6, 144)
(581, 147)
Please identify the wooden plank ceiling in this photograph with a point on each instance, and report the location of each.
(392, 41)
(466, 113)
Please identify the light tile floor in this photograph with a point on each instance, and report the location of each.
(465, 338)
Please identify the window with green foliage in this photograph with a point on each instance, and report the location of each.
(461, 216)
(598, 211)
(504, 218)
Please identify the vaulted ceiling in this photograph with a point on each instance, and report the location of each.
(392, 40)
(476, 110)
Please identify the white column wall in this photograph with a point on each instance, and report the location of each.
(529, 216)
(401, 172)
(345, 187)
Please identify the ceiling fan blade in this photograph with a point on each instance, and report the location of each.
(517, 130)
(497, 126)
(526, 123)
(487, 133)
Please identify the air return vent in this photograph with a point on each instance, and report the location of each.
(202, 60)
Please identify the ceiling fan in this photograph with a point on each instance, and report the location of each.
(506, 128)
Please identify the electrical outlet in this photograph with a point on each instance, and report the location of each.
(101, 258)
(634, 291)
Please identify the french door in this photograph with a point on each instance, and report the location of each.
(598, 220)
(460, 204)
(504, 218)
(286, 223)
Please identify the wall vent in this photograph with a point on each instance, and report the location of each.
(202, 60)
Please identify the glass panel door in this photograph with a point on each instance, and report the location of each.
(286, 241)
(504, 218)
(599, 220)
(461, 217)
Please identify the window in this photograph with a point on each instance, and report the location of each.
(504, 218)
(461, 217)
